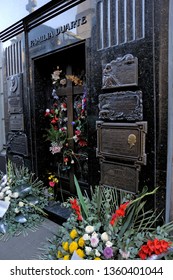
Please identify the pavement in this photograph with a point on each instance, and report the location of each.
(28, 247)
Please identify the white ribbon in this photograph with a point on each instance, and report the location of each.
(3, 207)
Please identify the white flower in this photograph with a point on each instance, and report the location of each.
(109, 244)
(1, 195)
(75, 138)
(104, 237)
(88, 250)
(47, 110)
(124, 254)
(94, 241)
(15, 195)
(89, 229)
(7, 198)
(86, 237)
(21, 204)
(95, 234)
(8, 192)
(16, 210)
(5, 189)
(97, 253)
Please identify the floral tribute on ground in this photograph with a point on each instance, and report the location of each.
(111, 225)
(22, 200)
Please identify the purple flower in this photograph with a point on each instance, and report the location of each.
(73, 123)
(108, 252)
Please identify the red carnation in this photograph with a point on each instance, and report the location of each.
(155, 246)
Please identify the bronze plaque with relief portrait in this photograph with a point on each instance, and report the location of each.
(125, 141)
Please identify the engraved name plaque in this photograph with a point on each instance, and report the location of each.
(18, 143)
(16, 122)
(121, 176)
(17, 160)
(14, 89)
(125, 105)
(125, 141)
(121, 72)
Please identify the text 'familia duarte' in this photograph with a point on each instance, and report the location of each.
(62, 29)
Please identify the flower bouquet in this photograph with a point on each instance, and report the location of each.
(22, 201)
(112, 225)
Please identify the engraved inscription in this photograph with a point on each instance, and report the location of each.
(17, 160)
(124, 105)
(18, 143)
(120, 176)
(121, 72)
(122, 141)
(16, 122)
(14, 105)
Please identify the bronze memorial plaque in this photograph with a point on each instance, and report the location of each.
(121, 176)
(121, 72)
(124, 105)
(18, 143)
(125, 141)
(14, 89)
(16, 122)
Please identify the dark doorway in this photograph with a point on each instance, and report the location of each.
(61, 108)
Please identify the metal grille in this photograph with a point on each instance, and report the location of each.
(119, 22)
(14, 59)
(38, 17)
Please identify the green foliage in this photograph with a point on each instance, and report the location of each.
(130, 229)
(26, 200)
(54, 135)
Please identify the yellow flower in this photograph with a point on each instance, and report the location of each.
(81, 242)
(65, 246)
(59, 255)
(80, 253)
(73, 234)
(97, 259)
(73, 247)
(66, 257)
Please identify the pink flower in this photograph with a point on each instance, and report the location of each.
(94, 241)
(51, 184)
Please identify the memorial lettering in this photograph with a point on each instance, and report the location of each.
(124, 141)
(120, 176)
(124, 105)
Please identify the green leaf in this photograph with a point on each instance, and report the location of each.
(80, 196)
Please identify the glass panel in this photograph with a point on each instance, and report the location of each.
(70, 27)
(12, 11)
